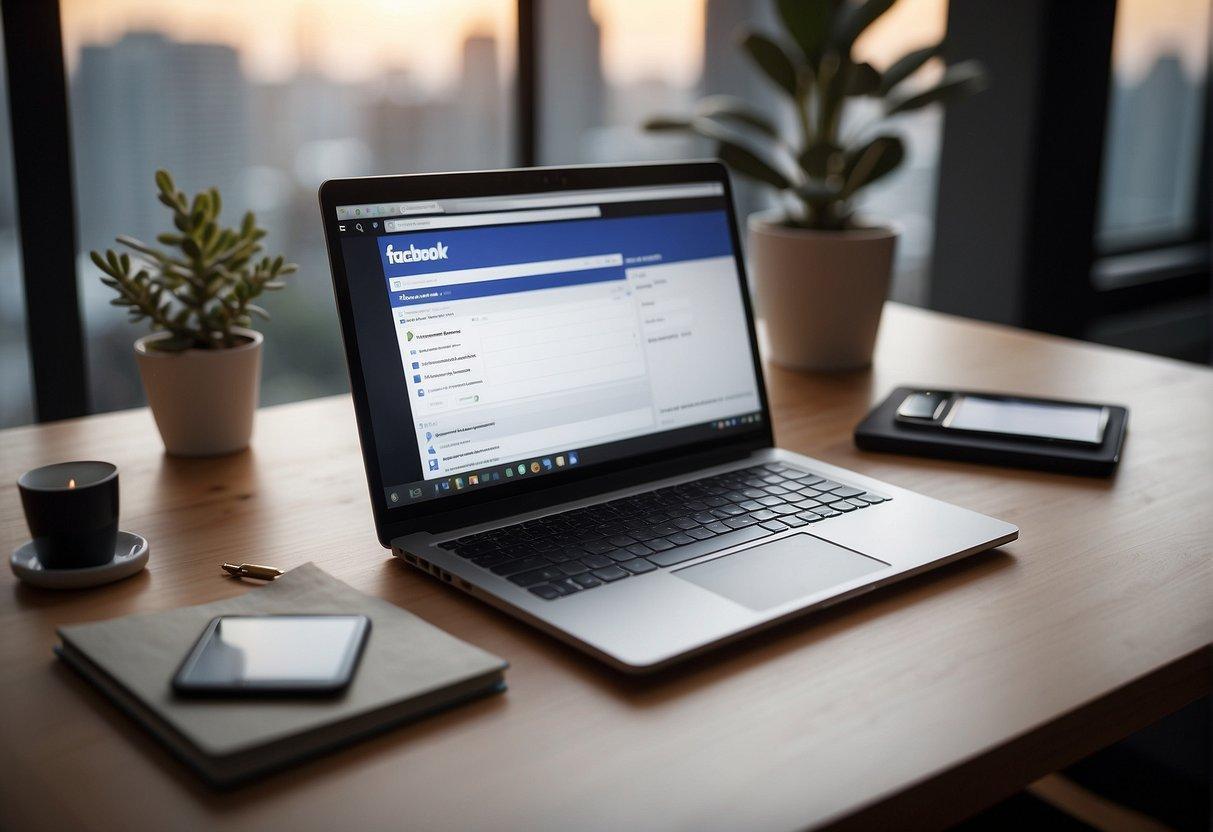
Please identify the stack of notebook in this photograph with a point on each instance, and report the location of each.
(408, 669)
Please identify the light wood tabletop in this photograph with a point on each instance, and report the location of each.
(913, 706)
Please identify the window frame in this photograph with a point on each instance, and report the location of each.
(1056, 279)
(42, 175)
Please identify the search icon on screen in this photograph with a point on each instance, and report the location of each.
(358, 225)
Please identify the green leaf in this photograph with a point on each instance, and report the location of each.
(959, 80)
(729, 108)
(748, 163)
(749, 156)
(832, 74)
(819, 192)
(808, 22)
(876, 159)
(907, 65)
(821, 159)
(854, 18)
(164, 181)
(862, 79)
(772, 60)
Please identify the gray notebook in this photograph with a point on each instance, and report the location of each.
(409, 668)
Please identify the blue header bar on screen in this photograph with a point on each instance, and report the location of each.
(655, 238)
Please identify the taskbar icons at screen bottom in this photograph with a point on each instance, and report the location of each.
(495, 475)
(737, 421)
(477, 479)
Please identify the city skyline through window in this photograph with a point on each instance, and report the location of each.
(266, 100)
(187, 87)
(1155, 107)
(16, 394)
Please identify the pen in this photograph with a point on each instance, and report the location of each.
(252, 570)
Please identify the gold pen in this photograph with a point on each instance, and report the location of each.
(252, 570)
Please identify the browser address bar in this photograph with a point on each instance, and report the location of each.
(548, 215)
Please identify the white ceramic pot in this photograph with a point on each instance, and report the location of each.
(203, 400)
(821, 292)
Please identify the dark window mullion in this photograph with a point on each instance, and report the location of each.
(37, 94)
(527, 83)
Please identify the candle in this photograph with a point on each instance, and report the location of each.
(72, 512)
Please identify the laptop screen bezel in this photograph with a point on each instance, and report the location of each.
(393, 521)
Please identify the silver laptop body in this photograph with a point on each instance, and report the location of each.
(565, 536)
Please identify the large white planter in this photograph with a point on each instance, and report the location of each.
(203, 400)
(821, 292)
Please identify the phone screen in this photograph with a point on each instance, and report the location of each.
(275, 651)
(1065, 422)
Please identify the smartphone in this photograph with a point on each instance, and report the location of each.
(239, 655)
(1007, 417)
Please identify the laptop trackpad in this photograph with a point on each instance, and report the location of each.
(786, 569)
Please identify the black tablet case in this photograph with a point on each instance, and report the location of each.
(880, 431)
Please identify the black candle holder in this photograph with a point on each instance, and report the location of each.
(72, 512)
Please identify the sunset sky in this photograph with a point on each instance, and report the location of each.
(358, 39)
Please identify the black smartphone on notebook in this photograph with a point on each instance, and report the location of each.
(241, 655)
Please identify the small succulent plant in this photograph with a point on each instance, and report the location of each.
(203, 283)
(812, 64)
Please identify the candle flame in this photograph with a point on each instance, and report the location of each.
(71, 483)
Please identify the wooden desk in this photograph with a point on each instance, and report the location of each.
(913, 706)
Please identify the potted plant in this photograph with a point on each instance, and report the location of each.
(201, 366)
(822, 273)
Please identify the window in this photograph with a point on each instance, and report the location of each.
(619, 61)
(16, 407)
(265, 100)
(1155, 113)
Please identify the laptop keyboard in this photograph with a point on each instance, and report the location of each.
(562, 554)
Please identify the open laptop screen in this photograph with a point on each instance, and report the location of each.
(509, 338)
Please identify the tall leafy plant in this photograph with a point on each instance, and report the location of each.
(820, 169)
(203, 282)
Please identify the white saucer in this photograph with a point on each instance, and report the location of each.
(130, 556)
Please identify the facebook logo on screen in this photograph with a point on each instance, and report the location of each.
(413, 254)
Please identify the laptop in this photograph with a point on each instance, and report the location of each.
(561, 408)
